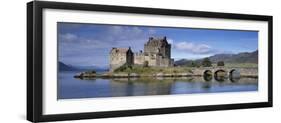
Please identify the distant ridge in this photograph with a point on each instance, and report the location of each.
(64, 67)
(244, 57)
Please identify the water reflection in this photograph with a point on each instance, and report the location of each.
(220, 75)
(208, 78)
(220, 78)
(208, 75)
(234, 75)
(70, 87)
(207, 86)
(234, 78)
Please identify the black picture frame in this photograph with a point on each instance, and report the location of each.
(35, 69)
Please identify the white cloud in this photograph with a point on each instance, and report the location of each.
(68, 37)
(72, 42)
(123, 33)
(170, 41)
(151, 31)
(193, 48)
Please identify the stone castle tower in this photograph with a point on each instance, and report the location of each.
(157, 52)
(120, 56)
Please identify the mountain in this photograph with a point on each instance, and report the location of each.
(182, 62)
(64, 67)
(244, 57)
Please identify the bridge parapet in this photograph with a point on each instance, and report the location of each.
(247, 72)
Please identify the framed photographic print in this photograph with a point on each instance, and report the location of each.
(95, 61)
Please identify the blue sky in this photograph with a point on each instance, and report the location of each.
(89, 44)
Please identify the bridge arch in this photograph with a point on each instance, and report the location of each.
(234, 75)
(207, 72)
(208, 75)
(220, 75)
(220, 72)
(234, 71)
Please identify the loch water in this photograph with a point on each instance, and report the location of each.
(73, 88)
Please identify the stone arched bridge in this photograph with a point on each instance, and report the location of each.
(244, 72)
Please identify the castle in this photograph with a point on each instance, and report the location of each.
(157, 52)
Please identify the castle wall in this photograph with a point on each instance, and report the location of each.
(168, 51)
(139, 58)
(165, 62)
(152, 60)
(165, 50)
(150, 49)
(117, 60)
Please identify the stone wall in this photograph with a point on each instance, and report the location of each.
(251, 72)
(152, 59)
(158, 46)
(117, 60)
(139, 58)
(119, 57)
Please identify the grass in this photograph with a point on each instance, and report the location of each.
(173, 70)
(242, 65)
(151, 70)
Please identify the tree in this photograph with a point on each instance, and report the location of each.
(91, 72)
(206, 62)
(220, 63)
(194, 64)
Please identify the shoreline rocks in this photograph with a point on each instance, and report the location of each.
(243, 72)
(135, 75)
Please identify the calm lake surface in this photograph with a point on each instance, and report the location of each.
(71, 88)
